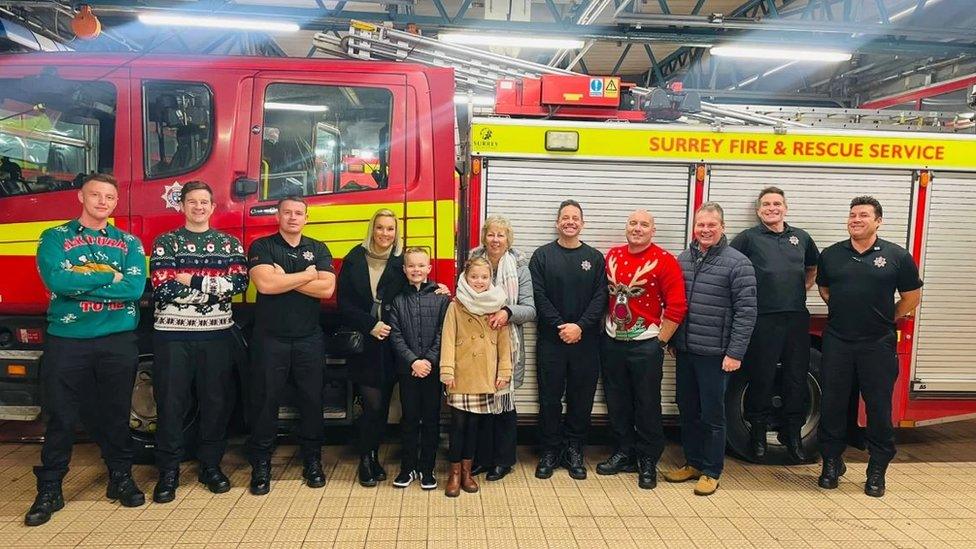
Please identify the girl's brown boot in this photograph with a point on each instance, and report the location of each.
(453, 488)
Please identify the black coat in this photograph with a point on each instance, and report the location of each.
(375, 366)
(415, 323)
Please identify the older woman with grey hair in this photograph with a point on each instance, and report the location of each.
(510, 270)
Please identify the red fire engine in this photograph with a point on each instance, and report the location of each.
(353, 136)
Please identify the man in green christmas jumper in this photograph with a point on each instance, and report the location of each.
(96, 274)
(195, 272)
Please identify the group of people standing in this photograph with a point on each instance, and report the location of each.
(714, 307)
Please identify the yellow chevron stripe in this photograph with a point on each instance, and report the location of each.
(341, 227)
(420, 227)
(18, 248)
(19, 232)
(447, 211)
(350, 212)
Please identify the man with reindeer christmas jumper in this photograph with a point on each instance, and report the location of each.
(647, 303)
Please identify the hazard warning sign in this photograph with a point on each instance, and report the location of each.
(611, 87)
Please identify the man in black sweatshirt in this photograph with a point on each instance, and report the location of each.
(571, 297)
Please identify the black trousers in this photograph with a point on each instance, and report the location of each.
(778, 337)
(276, 361)
(874, 367)
(632, 373)
(573, 370)
(87, 380)
(376, 412)
(464, 435)
(497, 434)
(420, 398)
(186, 371)
(701, 385)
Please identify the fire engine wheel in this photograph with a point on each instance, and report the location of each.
(738, 427)
(143, 417)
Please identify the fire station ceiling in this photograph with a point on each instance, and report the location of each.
(894, 44)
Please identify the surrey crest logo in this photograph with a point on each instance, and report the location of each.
(171, 195)
(485, 139)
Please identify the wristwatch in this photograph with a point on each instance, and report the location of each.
(663, 343)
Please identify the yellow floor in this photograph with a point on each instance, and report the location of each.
(931, 502)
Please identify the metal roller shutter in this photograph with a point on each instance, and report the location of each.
(819, 202)
(528, 192)
(944, 341)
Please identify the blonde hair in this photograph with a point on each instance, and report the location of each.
(416, 250)
(476, 262)
(368, 241)
(500, 222)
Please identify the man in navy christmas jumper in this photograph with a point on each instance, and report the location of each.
(196, 271)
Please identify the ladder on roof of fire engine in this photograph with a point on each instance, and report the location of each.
(477, 71)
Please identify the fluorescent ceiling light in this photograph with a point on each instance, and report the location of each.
(909, 10)
(779, 54)
(512, 41)
(273, 106)
(476, 100)
(206, 21)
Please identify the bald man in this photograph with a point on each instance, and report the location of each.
(647, 303)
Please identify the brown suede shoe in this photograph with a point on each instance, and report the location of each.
(468, 484)
(683, 474)
(453, 488)
(706, 486)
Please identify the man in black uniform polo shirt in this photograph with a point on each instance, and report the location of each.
(570, 288)
(292, 273)
(857, 279)
(785, 259)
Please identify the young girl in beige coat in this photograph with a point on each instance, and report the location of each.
(475, 362)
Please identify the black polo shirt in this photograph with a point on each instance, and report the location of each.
(780, 261)
(291, 314)
(862, 287)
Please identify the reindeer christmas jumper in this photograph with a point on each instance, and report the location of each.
(644, 287)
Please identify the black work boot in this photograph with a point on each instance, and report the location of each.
(165, 490)
(49, 500)
(379, 473)
(313, 474)
(260, 477)
(757, 441)
(833, 469)
(875, 485)
(121, 487)
(793, 442)
(215, 479)
(365, 471)
(497, 472)
(547, 464)
(573, 462)
(646, 473)
(619, 462)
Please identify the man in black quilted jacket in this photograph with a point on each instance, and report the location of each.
(720, 284)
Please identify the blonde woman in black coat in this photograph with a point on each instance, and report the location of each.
(371, 276)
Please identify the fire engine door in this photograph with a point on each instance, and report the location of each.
(337, 140)
(179, 134)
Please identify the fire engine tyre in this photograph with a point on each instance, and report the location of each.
(738, 428)
(142, 417)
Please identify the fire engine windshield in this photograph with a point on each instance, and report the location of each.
(53, 133)
(324, 139)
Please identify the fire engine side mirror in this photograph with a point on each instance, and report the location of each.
(244, 186)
